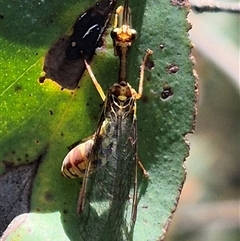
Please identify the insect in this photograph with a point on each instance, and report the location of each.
(123, 34)
(108, 160)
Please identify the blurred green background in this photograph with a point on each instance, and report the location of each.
(209, 205)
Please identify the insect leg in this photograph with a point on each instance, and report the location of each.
(135, 184)
(82, 193)
(95, 82)
(145, 173)
(134, 204)
(140, 86)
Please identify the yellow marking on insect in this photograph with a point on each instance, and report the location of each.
(122, 31)
(122, 97)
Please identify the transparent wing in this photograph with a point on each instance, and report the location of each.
(108, 201)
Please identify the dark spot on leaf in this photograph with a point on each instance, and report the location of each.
(166, 93)
(41, 79)
(161, 46)
(48, 196)
(144, 99)
(36, 53)
(8, 165)
(148, 78)
(87, 104)
(19, 159)
(1, 16)
(65, 211)
(51, 112)
(13, 152)
(37, 141)
(18, 88)
(64, 61)
(172, 69)
(62, 134)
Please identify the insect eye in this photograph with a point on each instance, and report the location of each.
(134, 34)
(114, 33)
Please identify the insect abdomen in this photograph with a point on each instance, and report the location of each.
(76, 161)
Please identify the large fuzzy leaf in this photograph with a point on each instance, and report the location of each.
(39, 121)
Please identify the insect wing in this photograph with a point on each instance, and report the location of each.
(107, 209)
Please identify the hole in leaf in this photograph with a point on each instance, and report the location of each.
(172, 69)
(166, 93)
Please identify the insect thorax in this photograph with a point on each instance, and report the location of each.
(120, 101)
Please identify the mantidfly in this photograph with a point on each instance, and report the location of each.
(74, 164)
(108, 160)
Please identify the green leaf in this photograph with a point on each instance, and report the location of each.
(26, 227)
(39, 121)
